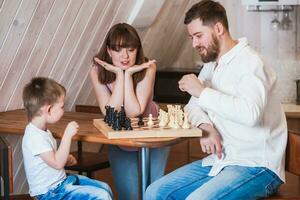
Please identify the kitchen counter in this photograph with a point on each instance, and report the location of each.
(291, 110)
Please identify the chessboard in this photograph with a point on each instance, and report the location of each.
(144, 131)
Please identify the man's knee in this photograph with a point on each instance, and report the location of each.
(153, 192)
(101, 194)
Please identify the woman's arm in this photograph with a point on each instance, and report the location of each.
(103, 95)
(135, 101)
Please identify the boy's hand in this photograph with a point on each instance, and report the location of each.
(71, 160)
(71, 129)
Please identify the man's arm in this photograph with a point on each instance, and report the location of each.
(245, 107)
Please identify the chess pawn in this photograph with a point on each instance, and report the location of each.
(185, 124)
(160, 115)
(150, 122)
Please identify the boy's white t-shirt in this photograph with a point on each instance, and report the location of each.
(40, 176)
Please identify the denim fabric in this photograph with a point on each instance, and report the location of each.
(79, 187)
(192, 182)
(124, 165)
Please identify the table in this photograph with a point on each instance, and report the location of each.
(14, 122)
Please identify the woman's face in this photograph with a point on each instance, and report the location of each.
(123, 57)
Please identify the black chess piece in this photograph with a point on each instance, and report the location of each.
(111, 116)
(122, 116)
(117, 122)
(128, 124)
(140, 122)
(107, 109)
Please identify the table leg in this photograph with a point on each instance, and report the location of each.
(144, 170)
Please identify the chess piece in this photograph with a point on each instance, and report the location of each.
(111, 116)
(171, 120)
(106, 113)
(150, 122)
(122, 116)
(128, 124)
(117, 122)
(175, 124)
(185, 124)
(140, 122)
(180, 117)
(163, 119)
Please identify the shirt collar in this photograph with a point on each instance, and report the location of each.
(227, 57)
(40, 131)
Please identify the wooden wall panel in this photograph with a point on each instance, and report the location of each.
(13, 41)
(7, 12)
(25, 54)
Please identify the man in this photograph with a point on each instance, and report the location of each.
(234, 101)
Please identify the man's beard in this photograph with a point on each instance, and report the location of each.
(212, 51)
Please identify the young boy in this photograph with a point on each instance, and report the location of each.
(44, 164)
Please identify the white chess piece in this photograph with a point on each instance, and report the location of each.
(163, 120)
(150, 122)
(180, 117)
(175, 124)
(185, 124)
(171, 120)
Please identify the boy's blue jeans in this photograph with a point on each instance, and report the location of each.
(79, 187)
(192, 182)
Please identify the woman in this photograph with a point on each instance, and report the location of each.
(123, 76)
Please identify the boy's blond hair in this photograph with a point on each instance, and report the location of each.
(41, 91)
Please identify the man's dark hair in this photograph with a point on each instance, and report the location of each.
(209, 12)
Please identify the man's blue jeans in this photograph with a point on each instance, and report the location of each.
(77, 187)
(192, 182)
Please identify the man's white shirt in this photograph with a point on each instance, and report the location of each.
(243, 106)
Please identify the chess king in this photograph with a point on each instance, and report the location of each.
(121, 75)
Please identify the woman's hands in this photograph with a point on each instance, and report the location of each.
(116, 70)
(108, 67)
(137, 68)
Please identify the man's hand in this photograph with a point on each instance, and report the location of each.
(212, 143)
(137, 68)
(191, 84)
(108, 66)
(71, 160)
(71, 129)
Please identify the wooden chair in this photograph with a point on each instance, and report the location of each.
(88, 162)
(292, 163)
(6, 172)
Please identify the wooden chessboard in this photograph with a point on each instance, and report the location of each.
(144, 131)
